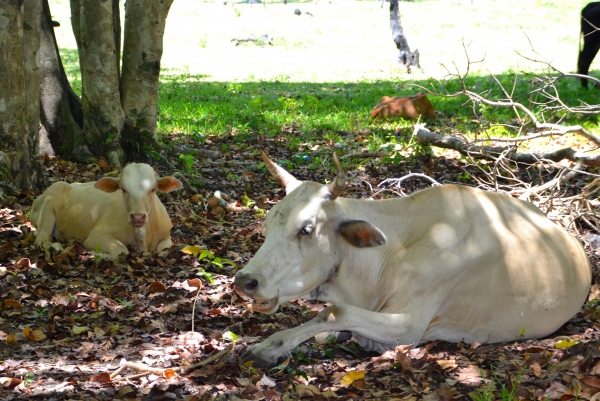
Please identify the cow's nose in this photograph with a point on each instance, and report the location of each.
(137, 219)
(245, 285)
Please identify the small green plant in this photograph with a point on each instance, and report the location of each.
(498, 390)
(464, 176)
(214, 259)
(28, 380)
(230, 337)
(206, 275)
(233, 177)
(97, 254)
(42, 311)
(124, 302)
(247, 201)
(188, 161)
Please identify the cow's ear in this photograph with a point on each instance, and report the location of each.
(107, 184)
(361, 234)
(168, 184)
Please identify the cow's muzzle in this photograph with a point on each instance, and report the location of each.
(246, 286)
(138, 219)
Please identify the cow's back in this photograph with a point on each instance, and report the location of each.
(86, 207)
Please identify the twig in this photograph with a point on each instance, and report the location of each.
(561, 178)
(426, 137)
(185, 182)
(160, 371)
(194, 306)
(223, 353)
(398, 181)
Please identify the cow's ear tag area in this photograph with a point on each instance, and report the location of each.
(361, 234)
(107, 184)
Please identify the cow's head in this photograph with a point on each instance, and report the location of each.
(138, 183)
(303, 241)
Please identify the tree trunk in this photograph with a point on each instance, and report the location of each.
(142, 52)
(61, 114)
(406, 58)
(93, 25)
(19, 74)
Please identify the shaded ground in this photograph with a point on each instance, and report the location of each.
(66, 323)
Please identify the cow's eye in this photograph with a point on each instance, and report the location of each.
(307, 230)
(124, 190)
(153, 190)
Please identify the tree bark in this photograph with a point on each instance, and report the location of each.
(406, 58)
(61, 114)
(19, 115)
(93, 25)
(142, 51)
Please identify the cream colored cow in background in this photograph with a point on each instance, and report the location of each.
(108, 215)
(447, 263)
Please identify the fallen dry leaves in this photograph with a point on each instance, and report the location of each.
(72, 327)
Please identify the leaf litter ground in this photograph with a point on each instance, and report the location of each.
(68, 320)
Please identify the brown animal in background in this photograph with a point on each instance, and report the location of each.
(404, 107)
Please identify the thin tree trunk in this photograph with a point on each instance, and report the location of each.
(142, 52)
(61, 113)
(19, 123)
(406, 58)
(98, 55)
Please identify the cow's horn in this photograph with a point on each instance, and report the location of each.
(338, 185)
(285, 179)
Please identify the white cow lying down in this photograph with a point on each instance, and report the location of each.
(108, 215)
(450, 263)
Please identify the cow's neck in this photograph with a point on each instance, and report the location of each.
(140, 238)
(145, 235)
(367, 268)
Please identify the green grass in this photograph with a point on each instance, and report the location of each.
(324, 74)
(191, 106)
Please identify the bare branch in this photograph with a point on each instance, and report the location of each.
(426, 137)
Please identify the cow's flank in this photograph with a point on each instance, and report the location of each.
(404, 107)
(448, 263)
(108, 215)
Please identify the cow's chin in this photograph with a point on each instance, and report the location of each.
(267, 306)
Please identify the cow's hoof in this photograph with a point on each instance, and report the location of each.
(258, 361)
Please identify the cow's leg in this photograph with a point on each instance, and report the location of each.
(591, 45)
(44, 219)
(164, 244)
(386, 330)
(105, 246)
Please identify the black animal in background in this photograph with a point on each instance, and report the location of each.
(590, 30)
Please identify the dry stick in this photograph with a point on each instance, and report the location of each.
(426, 137)
(185, 182)
(554, 128)
(194, 306)
(554, 182)
(149, 369)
